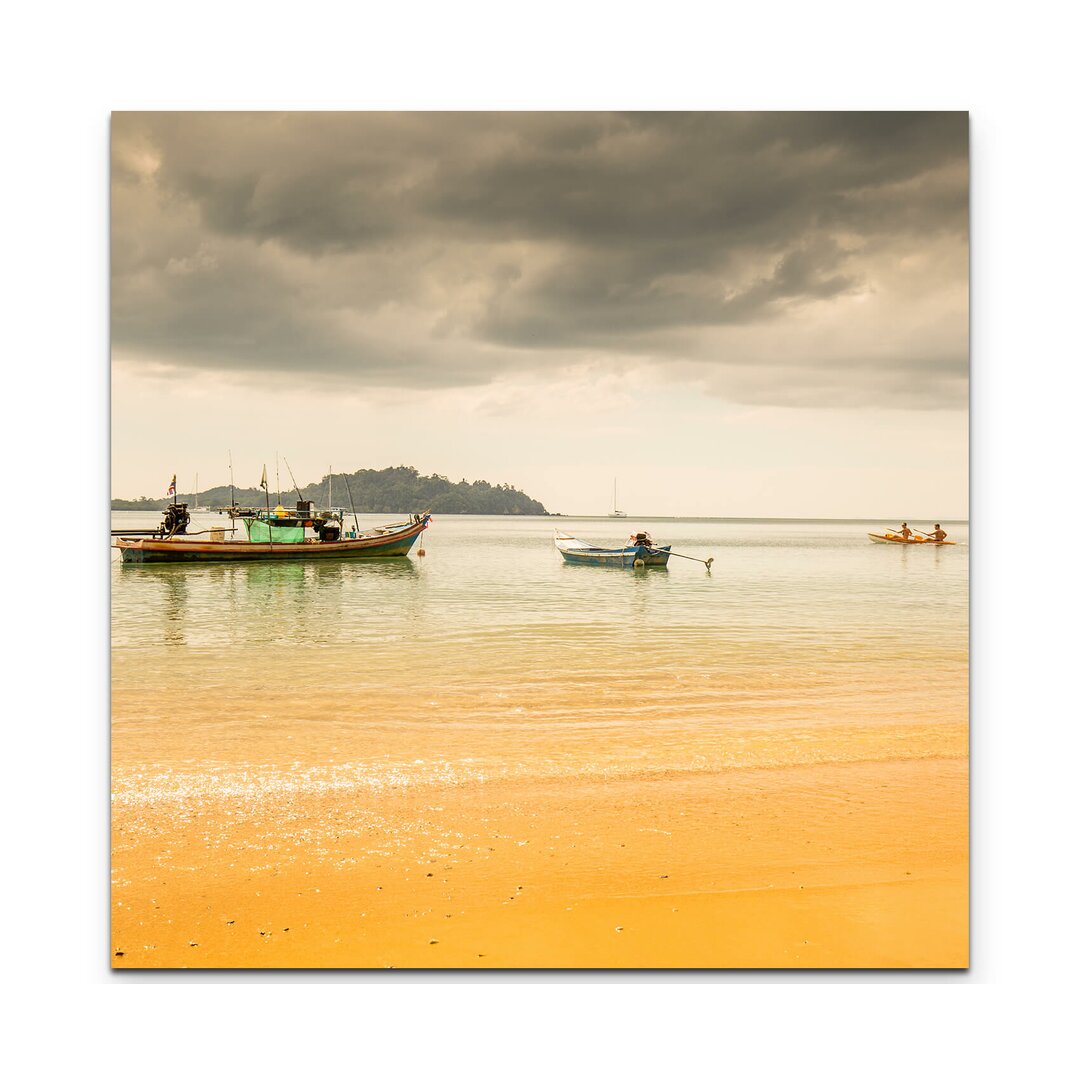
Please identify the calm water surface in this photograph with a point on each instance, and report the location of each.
(492, 658)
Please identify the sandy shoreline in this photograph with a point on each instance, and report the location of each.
(859, 864)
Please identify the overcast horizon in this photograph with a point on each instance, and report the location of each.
(736, 315)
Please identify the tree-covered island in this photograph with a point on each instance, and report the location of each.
(398, 490)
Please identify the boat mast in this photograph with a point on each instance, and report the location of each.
(196, 491)
(269, 528)
(330, 496)
(232, 493)
(293, 479)
(356, 520)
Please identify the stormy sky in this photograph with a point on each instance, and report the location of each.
(734, 313)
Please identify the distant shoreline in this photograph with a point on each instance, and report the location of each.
(605, 517)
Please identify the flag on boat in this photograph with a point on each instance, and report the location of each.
(172, 486)
(262, 482)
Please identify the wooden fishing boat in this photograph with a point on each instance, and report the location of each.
(278, 535)
(641, 551)
(894, 538)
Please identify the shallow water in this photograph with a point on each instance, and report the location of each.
(489, 658)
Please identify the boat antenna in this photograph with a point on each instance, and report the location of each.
(351, 503)
(330, 495)
(232, 491)
(196, 491)
(277, 476)
(294, 483)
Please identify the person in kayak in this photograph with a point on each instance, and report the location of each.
(905, 532)
(938, 534)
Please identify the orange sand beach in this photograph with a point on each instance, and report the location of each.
(859, 864)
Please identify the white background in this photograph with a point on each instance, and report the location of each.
(67, 66)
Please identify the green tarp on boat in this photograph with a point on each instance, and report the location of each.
(259, 532)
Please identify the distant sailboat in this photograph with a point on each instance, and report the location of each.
(615, 511)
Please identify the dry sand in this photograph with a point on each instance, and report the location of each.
(862, 864)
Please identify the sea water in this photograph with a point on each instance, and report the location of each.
(491, 659)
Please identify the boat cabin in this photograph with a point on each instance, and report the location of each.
(286, 526)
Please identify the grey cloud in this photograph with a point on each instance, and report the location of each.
(598, 299)
(939, 383)
(445, 249)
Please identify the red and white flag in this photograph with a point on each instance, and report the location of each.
(172, 486)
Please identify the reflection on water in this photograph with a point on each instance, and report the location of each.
(174, 604)
(196, 604)
(492, 650)
(638, 572)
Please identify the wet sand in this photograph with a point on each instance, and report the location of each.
(857, 864)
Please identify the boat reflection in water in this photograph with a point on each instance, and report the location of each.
(207, 605)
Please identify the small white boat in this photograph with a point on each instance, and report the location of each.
(641, 551)
(615, 511)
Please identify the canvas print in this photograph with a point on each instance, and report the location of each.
(539, 540)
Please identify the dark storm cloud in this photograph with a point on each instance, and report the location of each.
(441, 249)
(599, 298)
(691, 183)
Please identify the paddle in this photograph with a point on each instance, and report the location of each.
(933, 539)
(899, 535)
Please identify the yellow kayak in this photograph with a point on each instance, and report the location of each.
(895, 538)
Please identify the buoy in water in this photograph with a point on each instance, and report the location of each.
(639, 562)
(421, 553)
